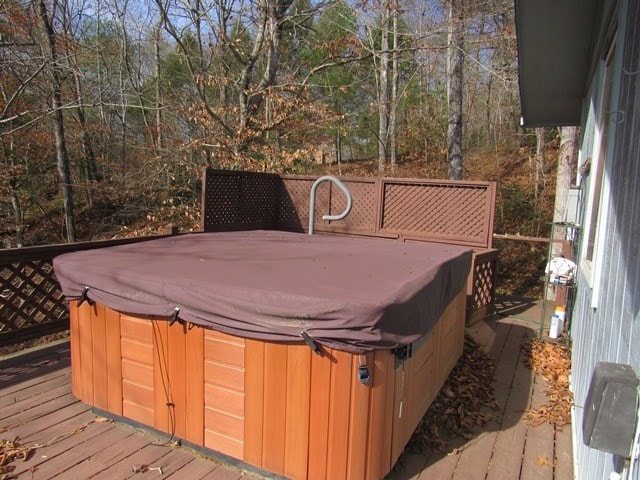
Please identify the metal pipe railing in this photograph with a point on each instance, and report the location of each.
(312, 201)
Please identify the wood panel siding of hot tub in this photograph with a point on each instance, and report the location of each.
(276, 406)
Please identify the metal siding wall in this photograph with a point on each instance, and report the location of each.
(612, 331)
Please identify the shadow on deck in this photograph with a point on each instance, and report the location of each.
(70, 442)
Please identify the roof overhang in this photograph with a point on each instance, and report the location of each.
(555, 41)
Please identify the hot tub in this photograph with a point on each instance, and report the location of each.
(201, 336)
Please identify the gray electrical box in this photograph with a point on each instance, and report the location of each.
(572, 209)
(610, 412)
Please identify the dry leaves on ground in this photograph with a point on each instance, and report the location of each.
(11, 450)
(552, 361)
(462, 404)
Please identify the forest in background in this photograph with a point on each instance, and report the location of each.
(109, 109)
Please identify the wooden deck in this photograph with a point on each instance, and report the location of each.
(507, 448)
(70, 442)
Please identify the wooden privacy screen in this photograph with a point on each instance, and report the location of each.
(454, 212)
(277, 406)
(410, 209)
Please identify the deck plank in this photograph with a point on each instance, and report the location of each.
(196, 469)
(538, 454)
(9, 412)
(86, 458)
(513, 392)
(563, 454)
(49, 453)
(226, 474)
(8, 399)
(16, 383)
(477, 452)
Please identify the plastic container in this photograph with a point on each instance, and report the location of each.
(554, 327)
(561, 313)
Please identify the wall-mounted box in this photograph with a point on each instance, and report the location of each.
(572, 210)
(611, 409)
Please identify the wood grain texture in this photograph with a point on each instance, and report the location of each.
(99, 349)
(223, 395)
(274, 416)
(114, 361)
(296, 451)
(360, 419)
(176, 366)
(277, 406)
(339, 419)
(76, 364)
(254, 401)
(194, 375)
(86, 353)
(319, 406)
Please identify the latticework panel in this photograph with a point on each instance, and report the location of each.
(484, 275)
(259, 197)
(30, 295)
(293, 212)
(239, 198)
(363, 211)
(221, 200)
(449, 211)
(330, 200)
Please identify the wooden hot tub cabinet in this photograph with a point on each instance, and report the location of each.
(278, 407)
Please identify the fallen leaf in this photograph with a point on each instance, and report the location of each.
(544, 460)
(552, 361)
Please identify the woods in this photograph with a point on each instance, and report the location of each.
(110, 108)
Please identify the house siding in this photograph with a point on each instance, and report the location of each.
(611, 331)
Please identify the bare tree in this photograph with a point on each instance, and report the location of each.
(395, 78)
(62, 158)
(159, 142)
(257, 63)
(89, 162)
(383, 87)
(455, 55)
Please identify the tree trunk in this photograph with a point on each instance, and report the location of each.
(395, 76)
(62, 159)
(159, 136)
(383, 91)
(454, 88)
(91, 167)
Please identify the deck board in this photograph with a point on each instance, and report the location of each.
(71, 442)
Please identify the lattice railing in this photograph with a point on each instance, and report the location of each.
(31, 302)
(482, 287)
(30, 296)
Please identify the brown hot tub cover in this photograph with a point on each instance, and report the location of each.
(351, 293)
